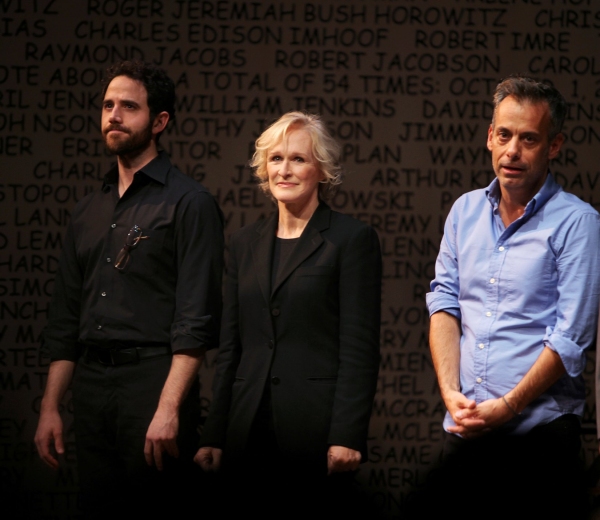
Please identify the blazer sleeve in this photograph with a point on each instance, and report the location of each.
(359, 356)
(228, 358)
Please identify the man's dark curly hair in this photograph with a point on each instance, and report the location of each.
(159, 86)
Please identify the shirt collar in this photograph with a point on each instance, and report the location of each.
(546, 192)
(156, 169)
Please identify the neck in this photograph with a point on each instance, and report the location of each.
(512, 205)
(514, 201)
(509, 212)
(129, 164)
(293, 220)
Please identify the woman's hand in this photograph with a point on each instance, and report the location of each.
(340, 458)
(209, 459)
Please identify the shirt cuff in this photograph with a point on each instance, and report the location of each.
(571, 354)
(59, 351)
(439, 301)
(194, 334)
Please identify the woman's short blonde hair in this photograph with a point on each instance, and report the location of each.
(325, 150)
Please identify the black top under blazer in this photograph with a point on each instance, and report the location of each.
(313, 337)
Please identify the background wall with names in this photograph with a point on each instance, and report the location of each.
(404, 85)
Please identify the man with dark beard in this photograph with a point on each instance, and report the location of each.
(136, 304)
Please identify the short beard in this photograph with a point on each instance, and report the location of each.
(130, 145)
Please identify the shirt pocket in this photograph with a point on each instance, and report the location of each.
(153, 254)
(530, 276)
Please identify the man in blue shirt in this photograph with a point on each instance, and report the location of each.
(513, 307)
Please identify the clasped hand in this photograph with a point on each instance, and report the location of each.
(472, 419)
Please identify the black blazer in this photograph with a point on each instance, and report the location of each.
(313, 337)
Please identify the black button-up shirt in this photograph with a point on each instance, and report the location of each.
(169, 291)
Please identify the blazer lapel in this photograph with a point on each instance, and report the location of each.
(262, 252)
(309, 242)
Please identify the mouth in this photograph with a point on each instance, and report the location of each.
(115, 129)
(511, 169)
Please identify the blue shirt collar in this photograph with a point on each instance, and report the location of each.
(547, 191)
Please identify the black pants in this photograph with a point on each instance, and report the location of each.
(113, 407)
(268, 483)
(537, 475)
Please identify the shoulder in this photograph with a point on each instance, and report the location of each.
(345, 230)
(570, 218)
(467, 209)
(189, 195)
(252, 231)
(341, 221)
(180, 183)
(472, 199)
(570, 205)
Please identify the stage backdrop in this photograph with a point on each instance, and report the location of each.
(404, 85)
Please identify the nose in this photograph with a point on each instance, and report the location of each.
(285, 170)
(513, 150)
(115, 115)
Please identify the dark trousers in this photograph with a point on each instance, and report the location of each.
(113, 407)
(497, 476)
(268, 483)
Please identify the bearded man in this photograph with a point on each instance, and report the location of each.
(137, 303)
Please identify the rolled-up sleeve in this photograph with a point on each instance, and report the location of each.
(445, 286)
(578, 267)
(199, 253)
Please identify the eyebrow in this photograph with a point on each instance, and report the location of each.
(526, 132)
(121, 101)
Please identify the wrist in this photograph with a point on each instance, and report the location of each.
(510, 405)
(448, 394)
(167, 408)
(49, 406)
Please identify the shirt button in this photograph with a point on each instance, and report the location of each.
(99, 327)
(275, 312)
(113, 226)
(108, 260)
(275, 380)
(103, 294)
(488, 314)
(492, 280)
(501, 248)
(481, 345)
(479, 380)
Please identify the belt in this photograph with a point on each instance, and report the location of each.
(116, 353)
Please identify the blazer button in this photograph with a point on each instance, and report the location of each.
(275, 312)
(275, 380)
(270, 344)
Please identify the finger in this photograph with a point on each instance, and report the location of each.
(465, 413)
(199, 459)
(44, 447)
(58, 443)
(353, 465)
(148, 453)
(473, 424)
(158, 456)
(216, 460)
(49, 459)
(340, 467)
(336, 465)
(330, 464)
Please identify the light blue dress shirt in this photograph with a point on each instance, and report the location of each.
(518, 288)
